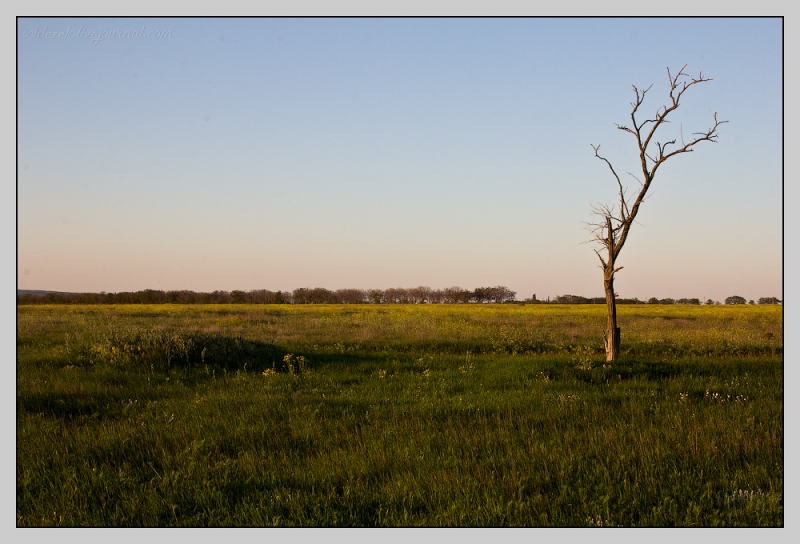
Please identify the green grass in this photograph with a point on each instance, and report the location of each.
(398, 416)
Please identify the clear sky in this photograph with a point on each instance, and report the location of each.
(374, 153)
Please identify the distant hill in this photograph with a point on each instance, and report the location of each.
(38, 292)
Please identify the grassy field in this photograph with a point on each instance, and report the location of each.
(426, 415)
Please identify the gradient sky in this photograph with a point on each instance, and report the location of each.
(286, 153)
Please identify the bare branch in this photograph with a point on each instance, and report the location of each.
(600, 257)
(623, 205)
(708, 136)
(634, 177)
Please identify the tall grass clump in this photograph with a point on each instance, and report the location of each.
(164, 349)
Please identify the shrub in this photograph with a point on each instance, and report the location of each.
(162, 350)
(735, 300)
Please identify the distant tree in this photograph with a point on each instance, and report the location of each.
(501, 294)
(396, 295)
(666, 301)
(600, 300)
(299, 295)
(320, 295)
(711, 302)
(375, 296)
(351, 296)
(85, 298)
(509, 295)
(571, 299)
(456, 295)
(652, 300)
(480, 295)
(149, 296)
(419, 295)
(220, 297)
(750, 302)
(435, 296)
(447, 295)
(258, 296)
(769, 300)
(611, 229)
(735, 300)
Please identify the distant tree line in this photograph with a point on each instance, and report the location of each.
(306, 295)
(574, 299)
(152, 296)
(319, 295)
(414, 295)
(741, 300)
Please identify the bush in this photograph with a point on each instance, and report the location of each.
(162, 350)
(735, 300)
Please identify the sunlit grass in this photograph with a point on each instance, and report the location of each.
(398, 416)
(481, 328)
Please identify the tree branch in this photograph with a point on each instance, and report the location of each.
(623, 206)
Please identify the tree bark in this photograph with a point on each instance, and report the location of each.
(612, 334)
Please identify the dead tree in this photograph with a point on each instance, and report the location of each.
(614, 223)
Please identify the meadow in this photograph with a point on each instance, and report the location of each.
(401, 415)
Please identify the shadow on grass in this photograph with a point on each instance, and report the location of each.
(76, 405)
(104, 378)
(655, 369)
(159, 351)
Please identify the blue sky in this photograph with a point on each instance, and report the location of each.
(284, 153)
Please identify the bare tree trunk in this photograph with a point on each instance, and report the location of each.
(612, 334)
